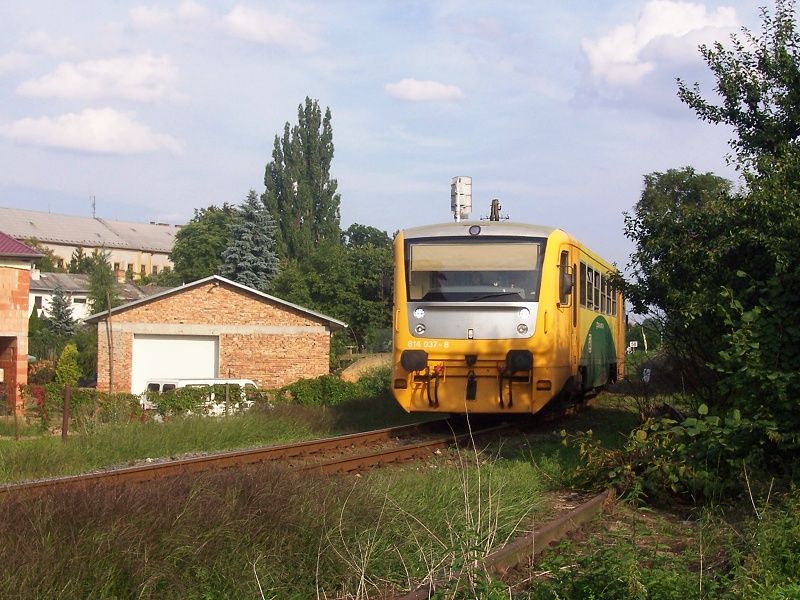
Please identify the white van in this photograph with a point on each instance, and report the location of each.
(214, 406)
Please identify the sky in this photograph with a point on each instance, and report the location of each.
(558, 109)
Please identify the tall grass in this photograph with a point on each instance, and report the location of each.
(121, 444)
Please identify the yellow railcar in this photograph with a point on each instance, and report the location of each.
(496, 316)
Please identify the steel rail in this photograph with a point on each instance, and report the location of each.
(217, 460)
(403, 453)
(525, 549)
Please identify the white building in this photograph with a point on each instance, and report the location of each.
(76, 288)
(138, 248)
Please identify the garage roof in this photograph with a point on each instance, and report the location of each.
(333, 323)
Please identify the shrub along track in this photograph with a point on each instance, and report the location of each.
(339, 454)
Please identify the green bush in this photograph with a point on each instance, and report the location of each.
(87, 406)
(329, 390)
(700, 458)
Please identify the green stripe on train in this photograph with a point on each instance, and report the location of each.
(598, 353)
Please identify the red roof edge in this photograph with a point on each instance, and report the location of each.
(11, 248)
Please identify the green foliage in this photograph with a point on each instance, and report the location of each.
(48, 262)
(349, 283)
(300, 194)
(329, 390)
(250, 257)
(67, 370)
(80, 262)
(102, 283)
(199, 399)
(720, 267)
(60, 320)
(698, 459)
(757, 80)
(684, 254)
(197, 251)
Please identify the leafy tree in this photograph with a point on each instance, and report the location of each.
(60, 320)
(758, 80)
(722, 265)
(49, 262)
(80, 262)
(197, 251)
(300, 194)
(67, 370)
(102, 283)
(351, 284)
(250, 257)
(359, 236)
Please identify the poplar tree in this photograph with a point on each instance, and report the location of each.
(300, 194)
(250, 257)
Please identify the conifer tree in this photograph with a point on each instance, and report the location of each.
(60, 318)
(102, 283)
(300, 194)
(250, 257)
(67, 370)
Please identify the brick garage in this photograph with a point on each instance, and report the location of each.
(255, 336)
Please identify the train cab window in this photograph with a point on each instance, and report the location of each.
(492, 270)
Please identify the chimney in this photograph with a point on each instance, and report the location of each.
(36, 274)
(120, 275)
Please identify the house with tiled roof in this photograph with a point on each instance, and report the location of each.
(137, 248)
(76, 288)
(16, 263)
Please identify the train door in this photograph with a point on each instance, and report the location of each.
(568, 309)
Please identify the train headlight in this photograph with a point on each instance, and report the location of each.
(522, 329)
(419, 313)
(420, 329)
(524, 313)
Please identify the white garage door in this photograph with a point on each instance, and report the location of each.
(172, 356)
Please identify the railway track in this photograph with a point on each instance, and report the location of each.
(314, 455)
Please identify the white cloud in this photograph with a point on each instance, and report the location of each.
(102, 131)
(41, 42)
(188, 13)
(665, 30)
(249, 24)
(143, 78)
(262, 27)
(14, 60)
(415, 90)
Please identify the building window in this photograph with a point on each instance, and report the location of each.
(155, 270)
(79, 300)
(143, 271)
(116, 266)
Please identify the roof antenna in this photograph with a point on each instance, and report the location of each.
(494, 213)
(94, 206)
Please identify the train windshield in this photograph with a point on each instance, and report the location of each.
(469, 270)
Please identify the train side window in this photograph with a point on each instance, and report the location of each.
(603, 294)
(590, 288)
(597, 290)
(565, 280)
(584, 287)
(613, 302)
